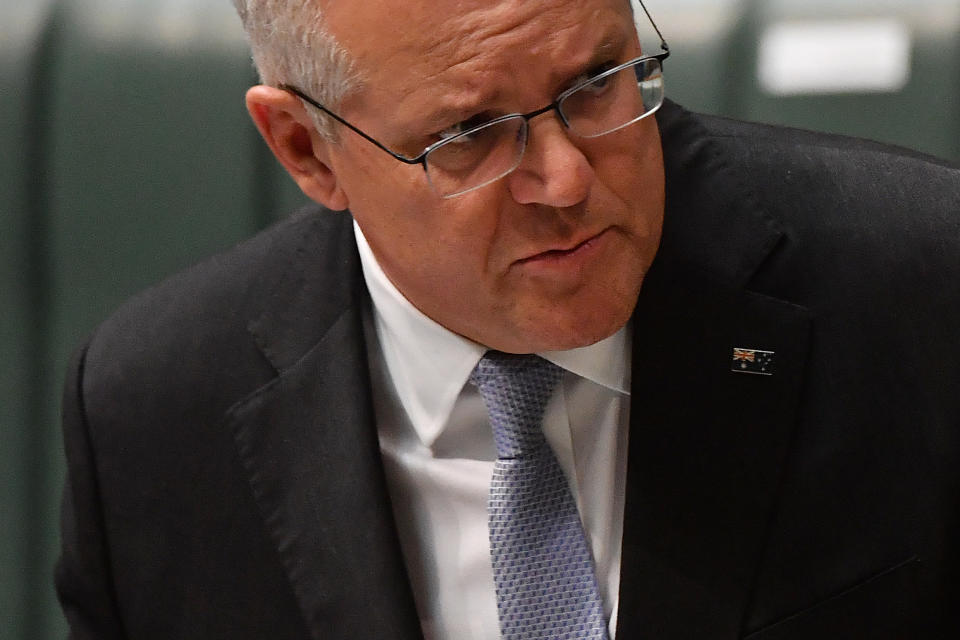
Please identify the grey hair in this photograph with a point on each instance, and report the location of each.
(290, 44)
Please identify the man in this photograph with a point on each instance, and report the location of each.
(757, 417)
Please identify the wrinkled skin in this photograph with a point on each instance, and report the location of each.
(550, 257)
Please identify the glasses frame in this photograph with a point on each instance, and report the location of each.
(421, 158)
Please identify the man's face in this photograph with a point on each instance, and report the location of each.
(553, 255)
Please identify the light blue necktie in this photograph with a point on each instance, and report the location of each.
(542, 566)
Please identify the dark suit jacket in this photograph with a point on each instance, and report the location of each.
(224, 475)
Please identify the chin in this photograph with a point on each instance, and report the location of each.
(571, 331)
(590, 321)
(585, 338)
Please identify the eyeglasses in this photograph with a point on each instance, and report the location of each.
(482, 154)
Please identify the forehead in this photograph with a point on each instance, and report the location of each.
(462, 48)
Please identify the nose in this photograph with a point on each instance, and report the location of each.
(554, 171)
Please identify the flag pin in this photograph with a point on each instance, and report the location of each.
(753, 361)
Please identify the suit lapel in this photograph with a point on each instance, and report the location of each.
(706, 443)
(706, 450)
(309, 445)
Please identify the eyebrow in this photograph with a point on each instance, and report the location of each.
(613, 40)
(446, 114)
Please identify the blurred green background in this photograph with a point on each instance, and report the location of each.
(126, 154)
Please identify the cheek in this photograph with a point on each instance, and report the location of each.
(430, 248)
(386, 199)
(457, 243)
(631, 169)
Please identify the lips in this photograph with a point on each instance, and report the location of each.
(559, 254)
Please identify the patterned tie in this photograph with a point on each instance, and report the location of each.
(542, 566)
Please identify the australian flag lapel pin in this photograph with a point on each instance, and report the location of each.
(753, 361)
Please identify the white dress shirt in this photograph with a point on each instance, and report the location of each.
(438, 451)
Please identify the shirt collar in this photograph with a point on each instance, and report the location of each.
(429, 364)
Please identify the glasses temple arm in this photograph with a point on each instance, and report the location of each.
(663, 42)
(300, 94)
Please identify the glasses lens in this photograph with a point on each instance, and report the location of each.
(477, 157)
(613, 101)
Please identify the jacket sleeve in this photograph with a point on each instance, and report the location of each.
(83, 576)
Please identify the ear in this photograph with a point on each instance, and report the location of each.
(288, 130)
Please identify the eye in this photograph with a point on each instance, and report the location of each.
(460, 127)
(592, 73)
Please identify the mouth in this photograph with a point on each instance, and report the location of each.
(565, 254)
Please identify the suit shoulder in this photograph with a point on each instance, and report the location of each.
(820, 183)
(188, 338)
(772, 138)
(855, 220)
